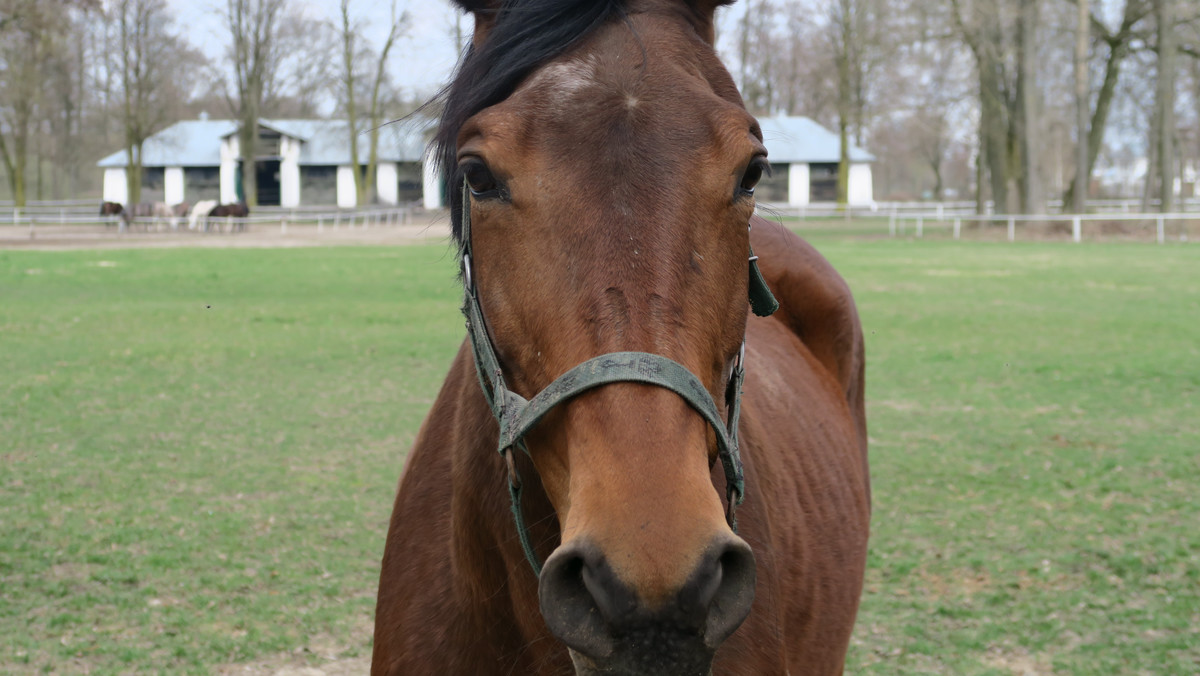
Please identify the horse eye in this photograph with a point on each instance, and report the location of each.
(752, 176)
(479, 178)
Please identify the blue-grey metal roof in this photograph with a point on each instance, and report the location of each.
(197, 143)
(191, 143)
(800, 139)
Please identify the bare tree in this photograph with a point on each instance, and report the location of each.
(1164, 103)
(1081, 108)
(1118, 44)
(144, 65)
(1002, 41)
(254, 55)
(25, 28)
(353, 55)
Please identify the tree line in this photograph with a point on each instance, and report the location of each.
(1015, 102)
(80, 78)
(1009, 101)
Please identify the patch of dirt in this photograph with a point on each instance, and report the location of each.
(320, 656)
(1019, 662)
(295, 666)
(423, 228)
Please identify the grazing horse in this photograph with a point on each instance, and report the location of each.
(238, 210)
(198, 216)
(602, 170)
(111, 208)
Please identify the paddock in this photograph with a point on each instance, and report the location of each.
(200, 449)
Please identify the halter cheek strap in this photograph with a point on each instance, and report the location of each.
(516, 415)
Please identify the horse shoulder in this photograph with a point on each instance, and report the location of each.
(816, 305)
(447, 599)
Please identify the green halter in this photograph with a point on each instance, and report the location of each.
(517, 416)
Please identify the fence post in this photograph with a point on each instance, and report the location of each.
(892, 222)
(1162, 231)
(957, 227)
(337, 219)
(941, 212)
(62, 216)
(920, 227)
(1012, 229)
(320, 223)
(1076, 228)
(282, 224)
(32, 222)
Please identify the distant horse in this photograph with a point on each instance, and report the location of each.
(238, 210)
(140, 210)
(110, 209)
(198, 216)
(178, 211)
(602, 169)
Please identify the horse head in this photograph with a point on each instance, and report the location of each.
(609, 167)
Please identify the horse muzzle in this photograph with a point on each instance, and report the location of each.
(611, 631)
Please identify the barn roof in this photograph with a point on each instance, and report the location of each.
(197, 143)
(801, 139)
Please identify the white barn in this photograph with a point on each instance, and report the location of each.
(804, 159)
(308, 162)
(299, 162)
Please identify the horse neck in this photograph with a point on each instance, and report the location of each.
(492, 572)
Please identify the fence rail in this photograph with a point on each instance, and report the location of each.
(1174, 225)
(23, 225)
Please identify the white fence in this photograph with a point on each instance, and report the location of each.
(1173, 226)
(20, 223)
(945, 210)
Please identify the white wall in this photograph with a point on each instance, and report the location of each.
(289, 172)
(387, 183)
(347, 196)
(798, 184)
(116, 187)
(861, 190)
(173, 185)
(229, 162)
(431, 184)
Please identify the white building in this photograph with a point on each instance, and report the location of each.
(298, 162)
(804, 159)
(308, 162)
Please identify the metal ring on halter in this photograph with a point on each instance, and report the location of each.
(467, 270)
(741, 358)
(753, 258)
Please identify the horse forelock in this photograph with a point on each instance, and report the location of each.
(526, 34)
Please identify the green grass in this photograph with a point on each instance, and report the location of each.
(199, 448)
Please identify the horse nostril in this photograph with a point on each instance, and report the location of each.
(721, 590)
(578, 594)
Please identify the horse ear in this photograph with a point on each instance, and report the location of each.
(485, 12)
(704, 11)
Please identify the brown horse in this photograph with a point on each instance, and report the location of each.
(609, 168)
(237, 210)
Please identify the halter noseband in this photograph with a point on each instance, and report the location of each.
(517, 416)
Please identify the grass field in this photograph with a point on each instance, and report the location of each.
(198, 451)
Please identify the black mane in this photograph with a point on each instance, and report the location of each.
(526, 34)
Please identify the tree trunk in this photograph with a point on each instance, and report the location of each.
(1165, 103)
(248, 145)
(1082, 166)
(1028, 174)
(844, 100)
(348, 82)
(1099, 122)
